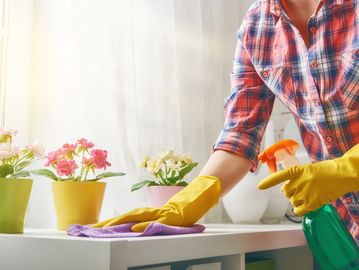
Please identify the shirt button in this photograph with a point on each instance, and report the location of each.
(313, 64)
(316, 102)
(312, 29)
(329, 139)
(265, 74)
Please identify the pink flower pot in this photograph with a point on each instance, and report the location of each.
(157, 196)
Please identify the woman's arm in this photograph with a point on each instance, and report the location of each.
(228, 167)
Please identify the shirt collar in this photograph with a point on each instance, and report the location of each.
(276, 7)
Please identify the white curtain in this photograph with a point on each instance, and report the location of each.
(134, 76)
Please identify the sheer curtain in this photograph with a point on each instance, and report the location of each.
(134, 76)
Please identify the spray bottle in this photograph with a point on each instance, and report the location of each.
(332, 245)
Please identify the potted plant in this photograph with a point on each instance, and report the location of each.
(15, 182)
(169, 171)
(78, 195)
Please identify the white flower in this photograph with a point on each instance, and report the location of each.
(173, 165)
(8, 132)
(178, 165)
(143, 163)
(37, 149)
(167, 155)
(187, 159)
(7, 150)
(177, 158)
(154, 165)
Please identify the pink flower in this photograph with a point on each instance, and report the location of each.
(66, 167)
(53, 157)
(87, 162)
(69, 148)
(85, 143)
(98, 158)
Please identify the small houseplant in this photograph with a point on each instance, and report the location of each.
(15, 182)
(169, 171)
(76, 171)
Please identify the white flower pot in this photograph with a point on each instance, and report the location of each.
(245, 203)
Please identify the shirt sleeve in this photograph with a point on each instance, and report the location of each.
(246, 111)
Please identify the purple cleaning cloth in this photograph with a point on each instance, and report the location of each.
(124, 230)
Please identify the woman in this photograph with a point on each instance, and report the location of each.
(306, 53)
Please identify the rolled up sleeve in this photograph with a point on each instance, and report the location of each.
(246, 111)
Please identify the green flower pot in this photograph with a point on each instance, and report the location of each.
(14, 198)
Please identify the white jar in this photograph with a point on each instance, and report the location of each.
(245, 203)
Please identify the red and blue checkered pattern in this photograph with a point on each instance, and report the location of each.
(317, 82)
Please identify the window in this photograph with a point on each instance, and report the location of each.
(4, 21)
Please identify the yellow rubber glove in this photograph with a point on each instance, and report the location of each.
(184, 208)
(313, 185)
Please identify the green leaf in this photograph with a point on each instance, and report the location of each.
(182, 173)
(159, 173)
(20, 174)
(143, 184)
(182, 183)
(105, 175)
(109, 174)
(78, 178)
(6, 169)
(174, 179)
(22, 165)
(45, 172)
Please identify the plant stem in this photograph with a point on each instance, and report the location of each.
(87, 171)
(82, 163)
(23, 157)
(166, 172)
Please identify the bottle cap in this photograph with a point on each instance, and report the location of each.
(269, 155)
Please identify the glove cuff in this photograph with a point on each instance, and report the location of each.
(196, 199)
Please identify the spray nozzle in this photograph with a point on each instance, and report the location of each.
(281, 152)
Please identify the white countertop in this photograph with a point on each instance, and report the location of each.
(211, 229)
(120, 253)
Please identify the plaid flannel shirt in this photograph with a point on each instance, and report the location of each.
(318, 83)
